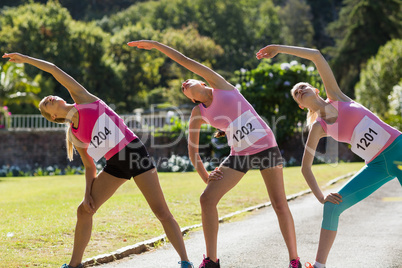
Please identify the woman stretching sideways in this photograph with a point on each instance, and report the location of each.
(96, 131)
(345, 120)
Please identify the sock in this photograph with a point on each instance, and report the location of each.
(319, 265)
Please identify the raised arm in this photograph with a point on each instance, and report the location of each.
(331, 86)
(316, 133)
(77, 91)
(214, 79)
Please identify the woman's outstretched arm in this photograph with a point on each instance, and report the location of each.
(76, 90)
(213, 78)
(327, 76)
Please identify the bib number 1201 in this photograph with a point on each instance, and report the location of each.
(367, 139)
(101, 136)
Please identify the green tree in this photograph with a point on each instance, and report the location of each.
(48, 32)
(323, 12)
(90, 10)
(100, 61)
(137, 71)
(149, 77)
(159, 14)
(193, 45)
(297, 29)
(86, 47)
(238, 27)
(82, 10)
(363, 26)
(382, 72)
(395, 102)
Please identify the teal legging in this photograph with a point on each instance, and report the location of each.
(385, 167)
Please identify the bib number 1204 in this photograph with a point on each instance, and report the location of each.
(367, 139)
(101, 136)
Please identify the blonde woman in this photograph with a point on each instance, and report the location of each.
(345, 120)
(96, 131)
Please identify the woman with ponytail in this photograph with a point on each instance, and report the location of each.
(252, 143)
(345, 120)
(96, 131)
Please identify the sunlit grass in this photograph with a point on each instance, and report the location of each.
(38, 214)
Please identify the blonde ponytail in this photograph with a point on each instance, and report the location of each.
(69, 143)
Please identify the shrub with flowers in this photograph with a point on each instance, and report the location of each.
(176, 163)
(28, 171)
(5, 117)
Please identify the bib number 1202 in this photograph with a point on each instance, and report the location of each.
(98, 139)
(367, 139)
(243, 132)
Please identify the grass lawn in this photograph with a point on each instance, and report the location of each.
(38, 214)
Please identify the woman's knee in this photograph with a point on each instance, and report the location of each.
(331, 216)
(280, 207)
(83, 213)
(332, 209)
(163, 214)
(207, 200)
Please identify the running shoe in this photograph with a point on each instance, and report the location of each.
(308, 265)
(207, 263)
(186, 264)
(68, 266)
(295, 263)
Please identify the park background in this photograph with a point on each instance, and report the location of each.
(361, 39)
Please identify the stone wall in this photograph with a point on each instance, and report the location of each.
(34, 148)
(48, 148)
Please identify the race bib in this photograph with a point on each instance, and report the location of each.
(368, 138)
(105, 136)
(244, 131)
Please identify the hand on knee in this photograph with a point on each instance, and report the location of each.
(83, 212)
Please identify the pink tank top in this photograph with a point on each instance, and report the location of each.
(364, 131)
(101, 129)
(246, 132)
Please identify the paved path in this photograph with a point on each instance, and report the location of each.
(369, 235)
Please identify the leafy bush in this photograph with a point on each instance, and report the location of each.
(48, 32)
(176, 164)
(378, 78)
(28, 171)
(394, 117)
(16, 88)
